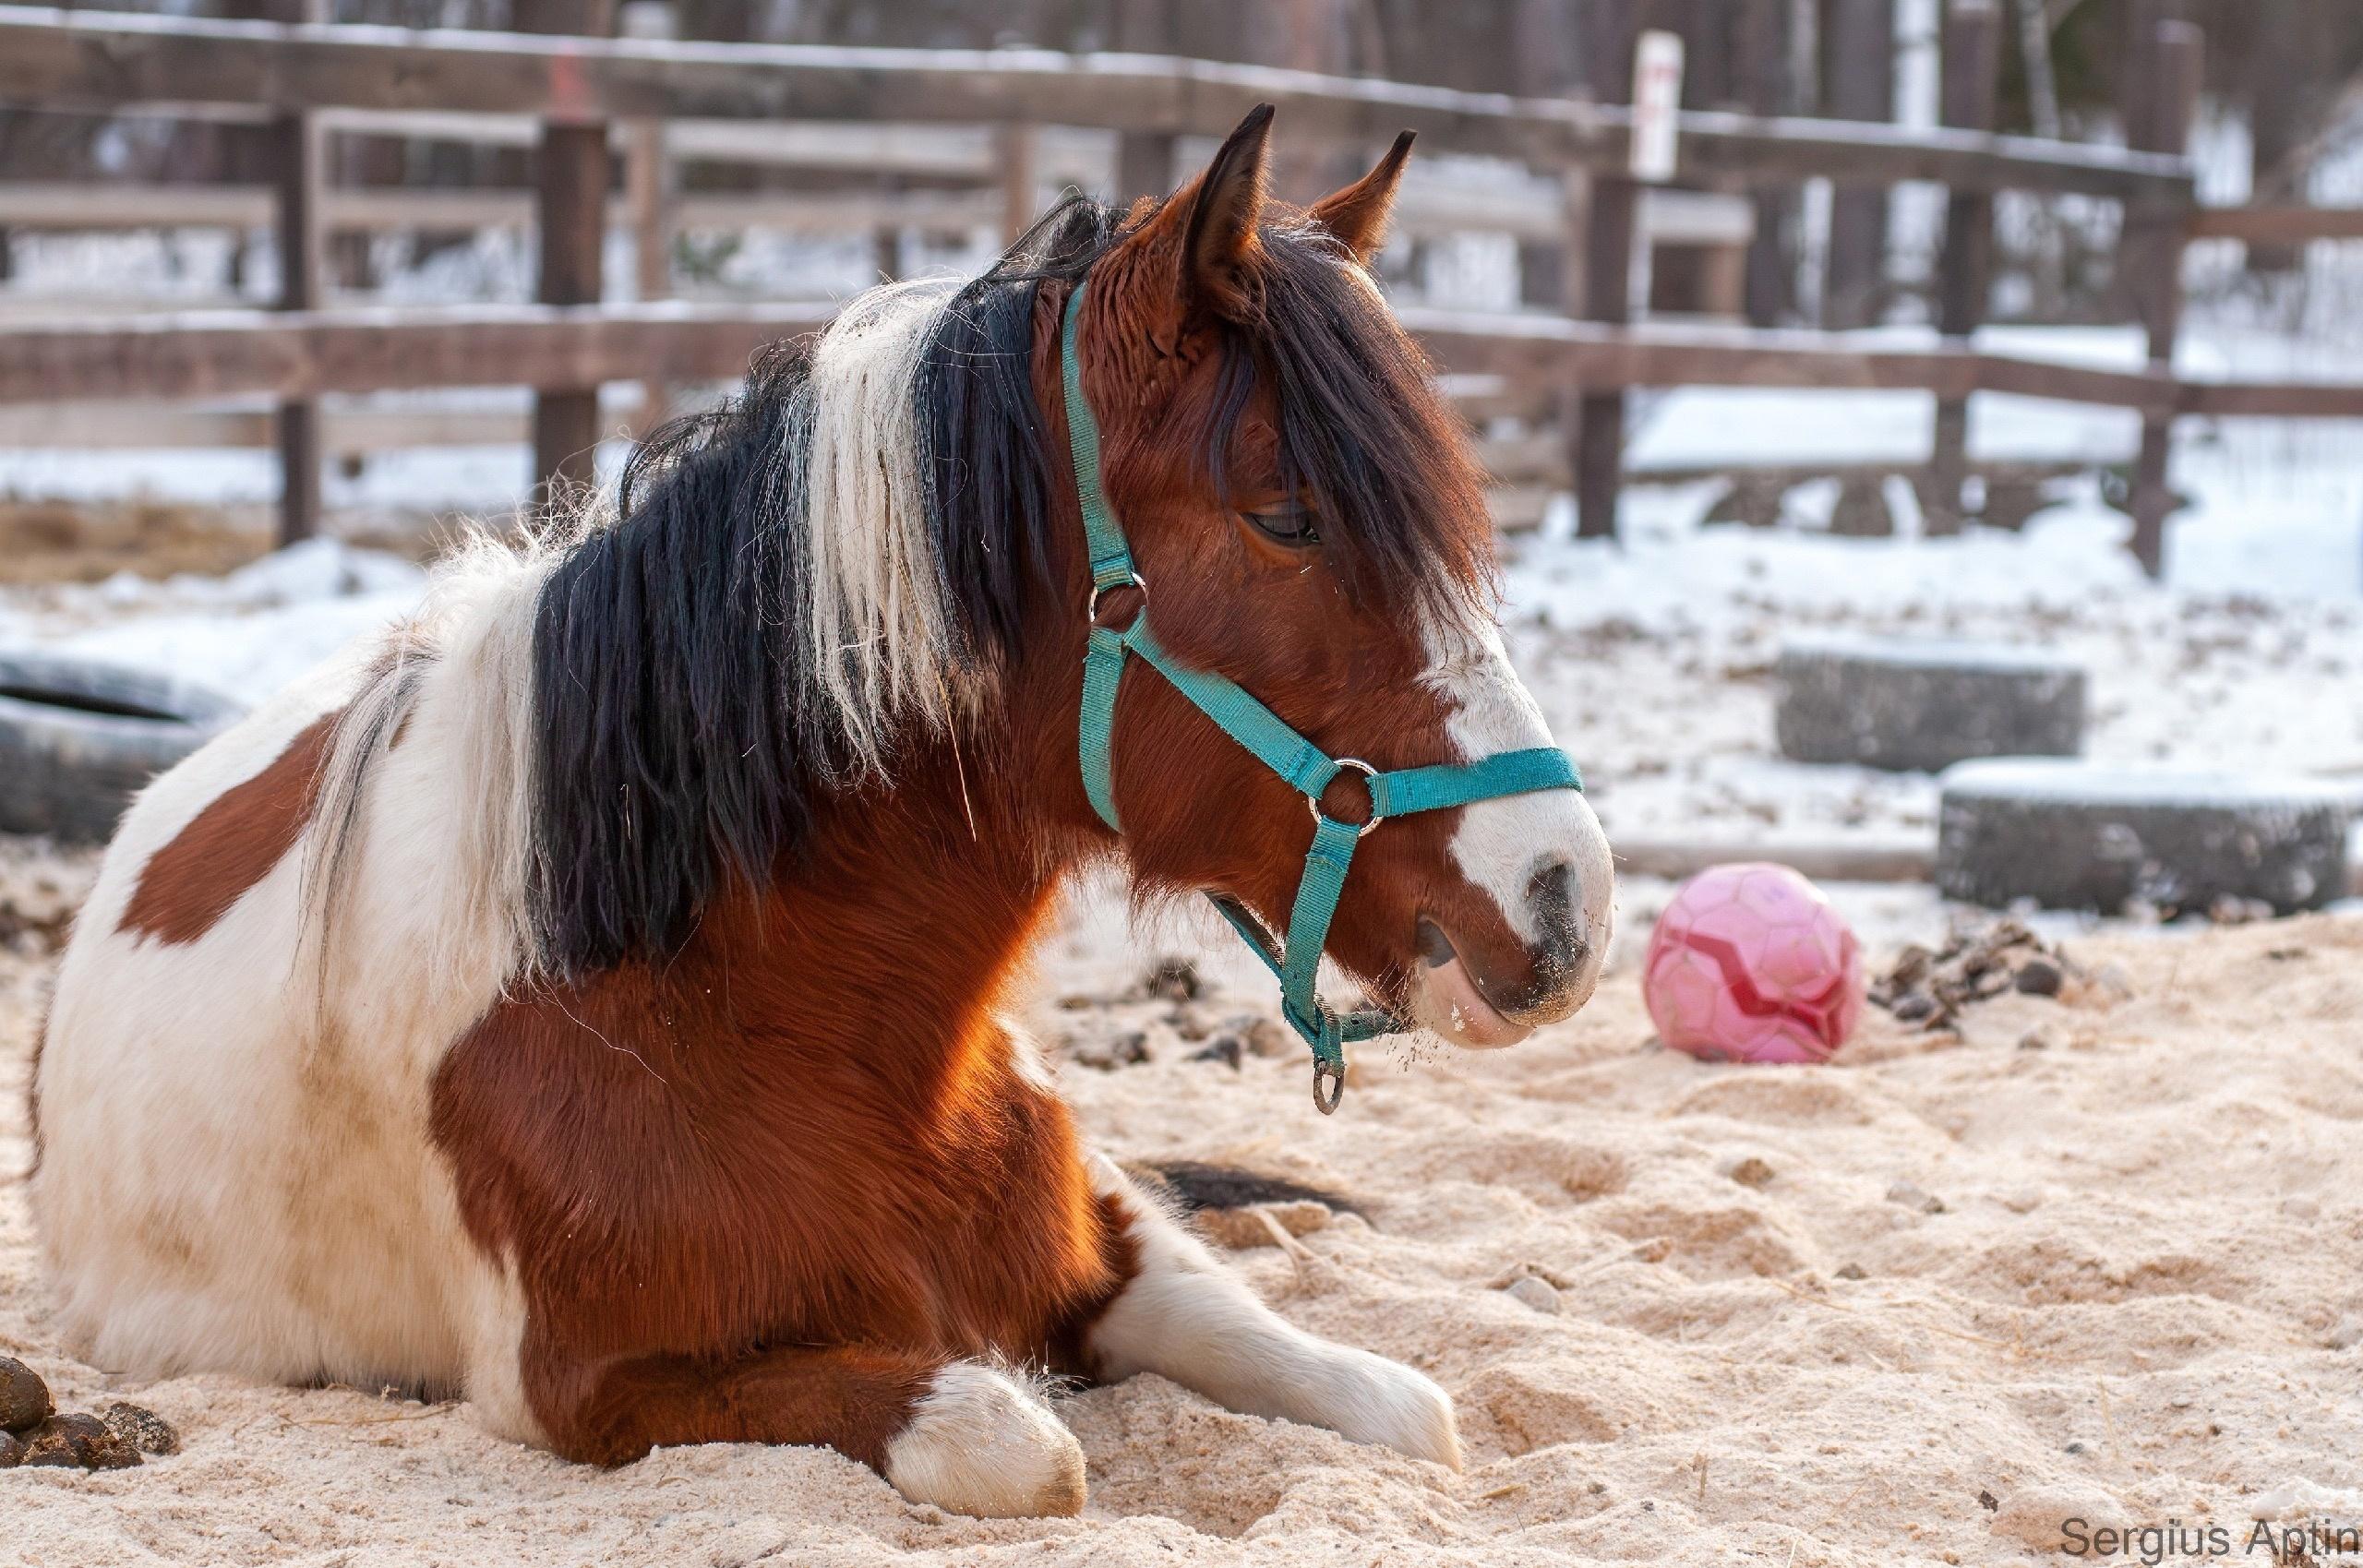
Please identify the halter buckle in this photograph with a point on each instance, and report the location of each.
(1132, 580)
(1313, 802)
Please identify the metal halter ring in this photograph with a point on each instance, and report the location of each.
(1091, 605)
(1333, 1079)
(1313, 802)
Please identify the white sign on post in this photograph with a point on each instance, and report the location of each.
(1657, 105)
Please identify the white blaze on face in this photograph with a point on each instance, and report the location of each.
(1500, 843)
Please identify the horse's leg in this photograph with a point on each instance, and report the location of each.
(962, 1436)
(1184, 1316)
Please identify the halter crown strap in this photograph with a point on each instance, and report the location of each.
(1306, 769)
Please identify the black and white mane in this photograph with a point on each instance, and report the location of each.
(792, 581)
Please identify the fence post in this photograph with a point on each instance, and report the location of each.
(1020, 148)
(1602, 245)
(1973, 57)
(1765, 88)
(2159, 115)
(1144, 159)
(571, 185)
(296, 180)
(648, 198)
(1861, 86)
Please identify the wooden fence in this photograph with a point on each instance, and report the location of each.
(584, 91)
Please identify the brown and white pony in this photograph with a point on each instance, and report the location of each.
(588, 996)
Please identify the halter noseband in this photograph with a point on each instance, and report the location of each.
(1298, 761)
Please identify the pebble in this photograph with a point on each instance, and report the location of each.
(1533, 1291)
(24, 1399)
(1226, 1049)
(1912, 1197)
(2040, 977)
(141, 1428)
(1851, 1271)
(1749, 1172)
(12, 1452)
(78, 1442)
(1269, 1036)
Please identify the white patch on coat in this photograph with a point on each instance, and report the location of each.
(1187, 1318)
(1500, 843)
(982, 1442)
(237, 1172)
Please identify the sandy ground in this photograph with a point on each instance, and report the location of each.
(2140, 1300)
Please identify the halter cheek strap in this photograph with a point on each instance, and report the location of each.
(1304, 766)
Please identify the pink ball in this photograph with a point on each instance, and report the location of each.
(1749, 963)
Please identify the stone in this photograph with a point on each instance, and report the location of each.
(24, 1399)
(79, 1442)
(1749, 1171)
(2040, 977)
(2071, 835)
(12, 1451)
(1911, 1196)
(1530, 1290)
(141, 1428)
(1916, 705)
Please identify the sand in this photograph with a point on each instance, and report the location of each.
(1923, 1305)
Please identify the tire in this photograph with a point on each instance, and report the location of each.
(1914, 706)
(2073, 835)
(80, 736)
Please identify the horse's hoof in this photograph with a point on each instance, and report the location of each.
(982, 1442)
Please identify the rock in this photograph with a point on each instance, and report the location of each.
(1224, 1048)
(1918, 705)
(2039, 977)
(1851, 1271)
(1749, 1172)
(78, 1442)
(1269, 1036)
(1536, 1293)
(2071, 835)
(141, 1428)
(1913, 1197)
(24, 1399)
(2033, 1040)
(12, 1451)
(1127, 1048)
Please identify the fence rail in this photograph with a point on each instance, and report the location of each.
(586, 99)
(113, 60)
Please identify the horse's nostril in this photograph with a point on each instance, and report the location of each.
(1551, 894)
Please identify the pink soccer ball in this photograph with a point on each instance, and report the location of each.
(1750, 962)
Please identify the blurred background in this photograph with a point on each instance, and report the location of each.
(2028, 322)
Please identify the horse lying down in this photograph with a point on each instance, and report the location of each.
(587, 996)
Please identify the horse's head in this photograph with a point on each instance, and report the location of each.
(1310, 524)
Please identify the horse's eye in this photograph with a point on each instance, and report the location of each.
(1286, 522)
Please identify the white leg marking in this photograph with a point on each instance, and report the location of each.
(1187, 1318)
(982, 1442)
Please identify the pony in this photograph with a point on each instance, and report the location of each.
(590, 996)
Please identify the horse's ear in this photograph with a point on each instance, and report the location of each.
(1358, 214)
(1219, 246)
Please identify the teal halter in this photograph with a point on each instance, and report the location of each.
(1296, 760)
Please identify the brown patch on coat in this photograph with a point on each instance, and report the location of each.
(764, 1191)
(191, 884)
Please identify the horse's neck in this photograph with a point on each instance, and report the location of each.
(893, 933)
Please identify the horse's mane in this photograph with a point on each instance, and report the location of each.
(842, 553)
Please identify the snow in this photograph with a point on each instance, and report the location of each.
(245, 635)
(2070, 782)
(1943, 653)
